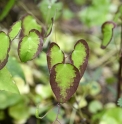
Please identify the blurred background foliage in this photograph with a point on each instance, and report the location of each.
(94, 101)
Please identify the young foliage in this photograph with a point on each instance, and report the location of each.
(79, 56)
(65, 77)
(30, 46)
(14, 30)
(54, 55)
(107, 31)
(64, 80)
(29, 23)
(4, 49)
(6, 82)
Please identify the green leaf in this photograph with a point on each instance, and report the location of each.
(8, 99)
(107, 31)
(79, 56)
(29, 23)
(50, 28)
(7, 8)
(112, 116)
(95, 106)
(50, 9)
(14, 68)
(4, 49)
(20, 111)
(54, 55)
(118, 14)
(6, 82)
(64, 80)
(120, 102)
(30, 46)
(14, 30)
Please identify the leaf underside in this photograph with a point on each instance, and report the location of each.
(4, 49)
(79, 56)
(54, 55)
(64, 80)
(29, 23)
(14, 30)
(30, 46)
(107, 31)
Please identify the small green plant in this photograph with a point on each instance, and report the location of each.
(64, 77)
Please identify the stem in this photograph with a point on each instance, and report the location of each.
(120, 70)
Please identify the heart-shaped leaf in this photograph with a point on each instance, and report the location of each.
(29, 23)
(64, 80)
(4, 49)
(54, 55)
(14, 30)
(30, 46)
(79, 56)
(107, 31)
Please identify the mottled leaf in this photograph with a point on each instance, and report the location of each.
(29, 23)
(14, 68)
(4, 49)
(30, 46)
(64, 80)
(14, 30)
(79, 56)
(107, 31)
(54, 55)
(6, 82)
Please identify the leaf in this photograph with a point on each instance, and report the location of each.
(54, 55)
(64, 80)
(95, 106)
(14, 30)
(7, 8)
(20, 111)
(8, 99)
(4, 49)
(118, 14)
(14, 68)
(30, 46)
(119, 102)
(49, 29)
(79, 56)
(6, 82)
(107, 31)
(50, 9)
(29, 23)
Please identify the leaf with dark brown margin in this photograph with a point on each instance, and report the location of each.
(107, 31)
(4, 49)
(79, 56)
(54, 55)
(64, 80)
(30, 46)
(29, 23)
